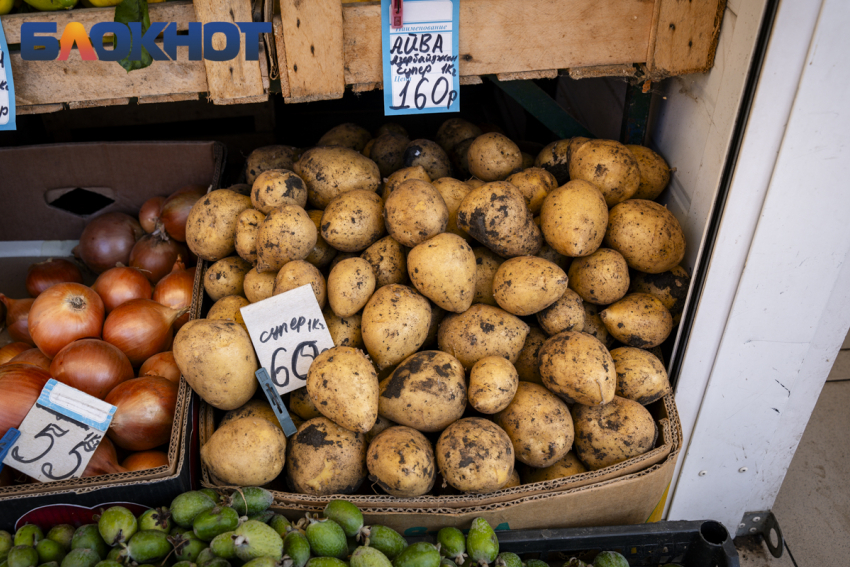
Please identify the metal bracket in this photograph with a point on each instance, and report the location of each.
(763, 523)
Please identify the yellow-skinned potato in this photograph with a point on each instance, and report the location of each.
(241, 188)
(460, 157)
(493, 157)
(247, 228)
(430, 156)
(573, 218)
(534, 183)
(344, 386)
(670, 287)
(348, 135)
(225, 450)
(252, 408)
(527, 366)
(297, 273)
(286, 234)
(427, 392)
(613, 433)
(601, 278)
(594, 326)
(555, 158)
(340, 257)
(402, 175)
(610, 166)
(277, 187)
(333, 170)
(638, 320)
(443, 270)
(388, 259)
(654, 173)
(325, 458)
(322, 253)
(345, 331)
(353, 221)
(578, 368)
(527, 160)
(539, 425)
(302, 405)
(270, 157)
(486, 264)
(395, 324)
(401, 461)
(475, 455)
(388, 153)
(647, 235)
(211, 225)
(437, 316)
(482, 331)
(548, 253)
(415, 212)
(350, 285)
(257, 286)
(454, 131)
(528, 284)
(640, 375)
(474, 182)
(513, 481)
(382, 424)
(367, 149)
(391, 128)
(226, 277)
(568, 465)
(228, 309)
(493, 382)
(453, 192)
(496, 215)
(566, 314)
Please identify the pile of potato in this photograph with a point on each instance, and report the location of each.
(492, 332)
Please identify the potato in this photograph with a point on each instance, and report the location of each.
(654, 173)
(475, 455)
(252, 408)
(548, 253)
(241, 188)
(218, 361)
(670, 287)
(211, 224)
(367, 149)
(388, 153)
(302, 405)
(527, 160)
(526, 365)
(322, 253)
(402, 175)
(482, 331)
(285, 235)
(427, 392)
(555, 158)
(343, 385)
(350, 285)
(347, 135)
(226, 277)
(297, 273)
(539, 425)
(647, 235)
(601, 278)
(495, 215)
(486, 264)
(270, 157)
(453, 192)
(566, 314)
(594, 326)
(528, 284)
(474, 182)
(325, 458)
(493, 381)
(382, 424)
(443, 270)
(610, 166)
(578, 368)
(331, 171)
(454, 131)
(613, 433)
(638, 320)
(513, 481)
(388, 259)
(391, 128)
(401, 461)
(225, 451)
(395, 324)
(493, 157)
(353, 221)
(228, 309)
(573, 218)
(568, 465)
(640, 375)
(340, 257)
(415, 212)
(276, 187)
(534, 183)
(344, 331)
(257, 286)
(437, 316)
(460, 157)
(247, 228)
(430, 156)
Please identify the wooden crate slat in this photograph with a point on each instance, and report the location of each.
(38, 108)
(155, 99)
(98, 103)
(280, 49)
(684, 37)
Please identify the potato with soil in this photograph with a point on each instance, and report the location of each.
(382, 424)
(460, 158)
(453, 191)
(443, 270)
(437, 316)
(613, 433)
(322, 253)
(670, 287)
(493, 382)
(496, 215)
(353, 221)
(297, 273)
(647, 235)
(391, 128)
(578, 368)
(277, 187)
(332, 170)
(486, 265)
(528, 284)
(427, 392)
(548, 253)
(257, 286)
(475, 455)
(211, 225)
(270, 157)
(430, 156)
(344, 331)
(568, 465)
(325, 458)
(594, 326)
(493, 157)
(482, 331)
(347, 135)
(302, 405)
(638, 320)
(601, 278)
(415, 212)
(640, 375)
(350, 285)
(388, 259)
(395, 324)
(534, 183)
(454, 131)
(573, 218)
(654, 173)
(387, 152)
(343, 385)
(228, 309)
(286, 234)
(401, 461)
(247, 228)
(610, 166)
(566, 314)
(226, 277)
(225, 451)
(527, 366)
(402, 175)
(252, 408)
(555, 158)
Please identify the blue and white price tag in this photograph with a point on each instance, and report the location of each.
(7, 86)
(421, 56)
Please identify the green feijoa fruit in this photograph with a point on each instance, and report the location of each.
(327, 539)
(386, 540)
(255, 539)
(610, 559)
(80, 557)
(215, 496)
(369, 557)
(352, 543)
(188, 505)
(326, 562)
(420, 554)
(116, 525)
(346, 514)
(117, 554)
(263, 516)
(6, 543)
(205, 556)
(297, 547)
(187, 547)
(222, 546)
(48, 550)
(50, 564)
(88, 537)
(109, 563)
(279, 524)
(148, 546)
(452, 543)
(215, 521)
(482, 545)
(251, 500)
(261, 562)
(182, 564)
(218, 562)
(576, 562)
(446, 562)
(536, 563)
(22, 556)
(508, 559)
(62, 534)
(156, 519)
(29, 534)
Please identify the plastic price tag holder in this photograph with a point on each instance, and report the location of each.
(60, 433)
(7, 442)
(7, 86)
(276, 402)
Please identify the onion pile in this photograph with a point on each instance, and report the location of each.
(104, 460)
(149, 213)
(17, 318)
(33, 357)
(64, 313)
(175, 290)
(162, 364)
(155, 254)
(144, 414)
(11, 350)
(145, 460)
(51, 272)
(92, 366)
(141, 328)
(108, 240)
(20, 386)
(175, 210)
(121, 284)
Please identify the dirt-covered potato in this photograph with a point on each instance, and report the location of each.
(427, 392)
(474, 182)
(257, 286)
(566, 314)
(527, 160)
(430, 156)
(568, 465)
(601, 278)
(640, 375)
(539, 425)
(453, 192)
(527, 284)
(460, 157)
(251, 408)
(388, 259)
(226, 277)
(578, 368)
(344, 331)
(270, 157)
(437, 316)
(534, 183)
(388, 153)
(340, 257)
(401, 461)
(513, 481)
(573, 218)
(613, 433)
(391, 128)
(654, 173)
(247, 228)
(493, 157)
(228, 309)
(638, 320)
(443, 270)
(527, 365)
(610, 166)
(647, 235)
(415, 212)
(277, 187)
(347, 135)
(482, 331)
(324, 458)
(350, 285)
(493, 382)
(211, 225)
(302, 405)
(395, 324)
(297, 273)
(224, 452)
(241, 188)
(486, 264)
(286, 234)
(402, 175)
(548, 253)
(332, 170)
(454, 131)
(594, 326)
(322, 253)
(475, 455)
(367, 149)
(555, 158)
(496, 215)
(353, 221)
(343, 385)
(670, 287)
(382, 424)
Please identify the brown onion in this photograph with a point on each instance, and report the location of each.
(155, 254)
(149, 213)
(121, 284)
(12, 350)
(141, 328)
(64, 313)
(144, 460)
(175, 210)
(162, 364)
(92, 366)
(104, 460)
(107, 240)
(175, 290)
(32, 357)
(51, 272)
(20, 386)
(17, 318)
(144, 414)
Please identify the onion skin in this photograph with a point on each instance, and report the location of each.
(155, 255)
(175, 210)
(104, 460)
(162, 364)
(141, 328)
(144, 460)
(121, 284)
(149, 213)
(33, 357)
(92, 366)
(145, 412)
(20, 386)
(108, 240)
(176, 290)
(64, 313)
(42, 275)
(17, 318)
(11, 350)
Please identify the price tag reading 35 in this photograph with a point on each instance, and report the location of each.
(421, 57)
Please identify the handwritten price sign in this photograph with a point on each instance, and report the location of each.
(7, 87)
